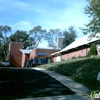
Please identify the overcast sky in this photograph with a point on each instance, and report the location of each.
(50, 14)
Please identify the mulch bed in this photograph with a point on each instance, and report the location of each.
(20, 83)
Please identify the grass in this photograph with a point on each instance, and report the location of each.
(82, 70)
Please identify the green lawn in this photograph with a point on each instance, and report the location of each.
(82, 70)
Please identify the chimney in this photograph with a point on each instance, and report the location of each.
(59, 43)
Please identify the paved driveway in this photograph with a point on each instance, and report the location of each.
(38, 84)
(29, 83)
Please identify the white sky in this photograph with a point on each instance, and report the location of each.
(50, 14)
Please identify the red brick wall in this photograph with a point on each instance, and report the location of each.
(27, 57)
(66, 56)
(23, 60)
(54, 59)
(18, 59)
(47, 51)
(15, 55)
(73, 53)
(77, 53)
(33, 54)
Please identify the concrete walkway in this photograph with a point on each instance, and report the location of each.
(74, 86)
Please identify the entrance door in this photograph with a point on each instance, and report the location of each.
(58, 58)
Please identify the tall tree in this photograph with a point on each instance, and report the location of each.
(4, 40)
(69, 36)
(38, 34)
(22, 37)
(51, 37)
(93, 10)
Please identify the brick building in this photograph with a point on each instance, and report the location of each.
(17, 56)
(78, 48)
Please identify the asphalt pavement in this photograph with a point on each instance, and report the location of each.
(78, 88)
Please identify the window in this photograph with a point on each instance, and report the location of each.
(99, 50)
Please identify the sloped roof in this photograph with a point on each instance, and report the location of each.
(79, 42)
(25, 51)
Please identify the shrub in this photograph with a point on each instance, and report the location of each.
(93, 50)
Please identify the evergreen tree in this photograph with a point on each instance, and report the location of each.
(93, 50)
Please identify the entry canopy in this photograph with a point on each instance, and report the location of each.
(41, 54)
(25, 51)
